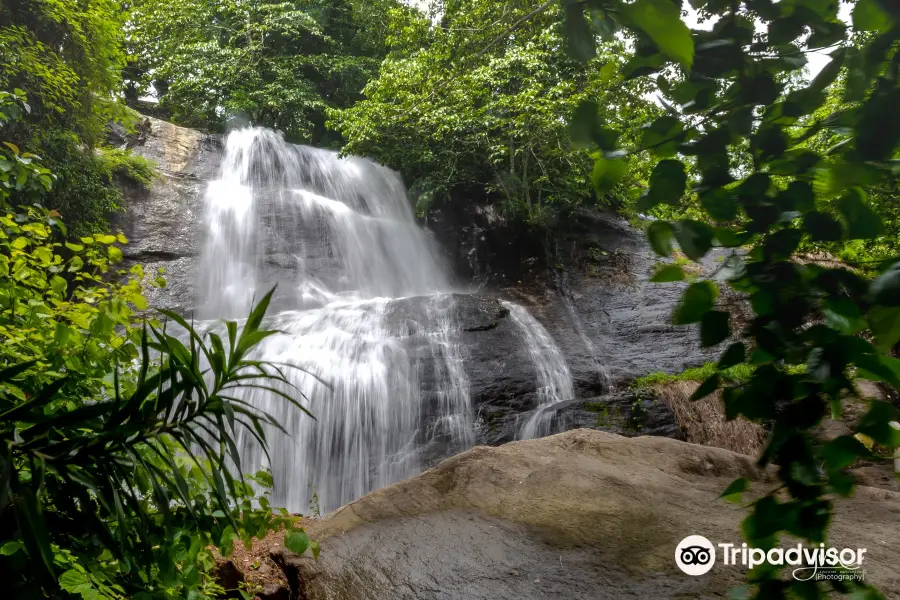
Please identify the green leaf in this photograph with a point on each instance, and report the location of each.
(822, 227)
(878, 368)
(34, 528)
(661, 136)
(843, 451)
(10, 548)
(885, 324)
(698, 298)
(694, 237)
(715, 328)
(586, 130)
(668, 273)
(578, 33)
(583, 123)
(661, 236)
(707, 387)
(733, 355)
(315, 549)
(830, 72)
(76, 582)
(667, 184)
(876, 424)
(885, 289)
(76, 264)
(862, 222)
(869, 16)
(661, 21)
(735, 490)
(607, 173)
(296, 541)
(58, 285)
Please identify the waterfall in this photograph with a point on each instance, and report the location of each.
(554, 381)
(339, 238)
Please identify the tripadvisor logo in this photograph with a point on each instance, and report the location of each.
(696, 555)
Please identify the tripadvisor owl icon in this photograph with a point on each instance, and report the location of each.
(695, 555)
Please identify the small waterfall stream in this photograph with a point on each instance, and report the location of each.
(338, 237)
(554, 381)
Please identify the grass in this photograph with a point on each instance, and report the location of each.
(738, 374)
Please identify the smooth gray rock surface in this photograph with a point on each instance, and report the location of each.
(164, 223)
(582, 515)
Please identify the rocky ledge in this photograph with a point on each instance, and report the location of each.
(584, 514)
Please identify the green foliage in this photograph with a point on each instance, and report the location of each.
(120, 471)
(101, 494)
(759, 178)
(475, 112)
(738, 374)
(67, 57)
(269, 62)
(85, 194)
(20, 172)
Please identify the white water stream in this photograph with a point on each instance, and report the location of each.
(338, 237)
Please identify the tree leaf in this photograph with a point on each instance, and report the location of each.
(885, 289)
(10, 548)
(661, 236)
(296, 541)
(715, 328)
(733, 355)
(885, 324)
(707, 387)
(578, 33)
(661, 21)
(667, 184)
(34, 528)
(607, 173)
(869, 16)
(876, 424)
(697, 299)
(735, 490)
(822, 227)
(694, 237)
(668, 273)
(862, 222)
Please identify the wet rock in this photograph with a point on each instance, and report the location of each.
(163, 223)
(626, 413)
(581, 515)
(611, 324)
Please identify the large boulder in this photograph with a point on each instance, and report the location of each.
(584, 514)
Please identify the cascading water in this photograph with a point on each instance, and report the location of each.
(554, 381)
(338, 237)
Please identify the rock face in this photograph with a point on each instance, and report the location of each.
(163, 223)
(584, 514)
(610, 322)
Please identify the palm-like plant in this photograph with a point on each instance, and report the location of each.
(115, 479)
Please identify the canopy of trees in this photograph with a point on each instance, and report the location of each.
(66, 58)
(269, 62)
(470, 112)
